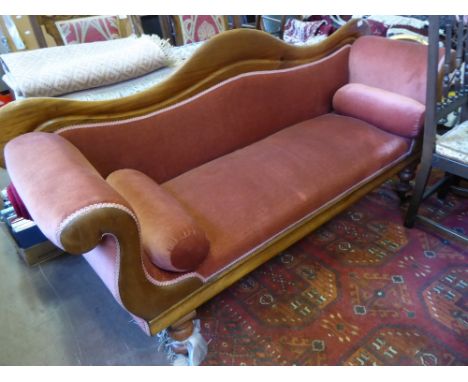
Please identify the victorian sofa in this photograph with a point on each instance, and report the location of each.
(172, 206)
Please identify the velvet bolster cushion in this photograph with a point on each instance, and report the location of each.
(169, 235)
(394, 113)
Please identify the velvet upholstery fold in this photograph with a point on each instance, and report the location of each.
(244, 198)
(169, 235)
(54, 180)
(389, 111)
(223, 173)
(224, 118)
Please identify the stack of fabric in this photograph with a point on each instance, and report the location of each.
(92, 71)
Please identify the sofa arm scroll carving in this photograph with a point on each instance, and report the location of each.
(58, 185)
(75, 208)
(83, 230)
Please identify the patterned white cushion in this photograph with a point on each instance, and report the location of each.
(454, 143)
(64, 69)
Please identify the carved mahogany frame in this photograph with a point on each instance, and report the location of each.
(223, 56)
(162, 306)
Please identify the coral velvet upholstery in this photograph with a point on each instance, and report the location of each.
(390, 111)
(396, 66)
(387, 85)
(246, 197)
(240, 162)
(229, 116)
(169, 235)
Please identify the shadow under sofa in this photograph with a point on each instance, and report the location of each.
(172, 207)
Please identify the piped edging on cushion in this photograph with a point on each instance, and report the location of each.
(197, 275)
(206, 279)
(92, 207)
(83, 211)
(139, 321)
(115, 292)
(198, 95)
(169, 235)
(389, 111)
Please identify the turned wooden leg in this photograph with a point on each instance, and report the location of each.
(403, 187)
(180, 331)
(186, 341)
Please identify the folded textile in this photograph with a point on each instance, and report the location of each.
(454, 143)
(64, 69)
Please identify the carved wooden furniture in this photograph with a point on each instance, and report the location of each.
(174, 200)
(224, 56)
(449, 150)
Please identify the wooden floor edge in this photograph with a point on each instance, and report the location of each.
(289, 237)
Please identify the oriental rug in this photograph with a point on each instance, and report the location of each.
(361, 290)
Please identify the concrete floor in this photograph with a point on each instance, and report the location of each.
(60, 313)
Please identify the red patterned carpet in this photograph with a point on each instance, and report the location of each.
(361, 290)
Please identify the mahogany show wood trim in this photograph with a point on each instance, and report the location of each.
(222, 57)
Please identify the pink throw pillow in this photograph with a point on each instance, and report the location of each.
(389, 111)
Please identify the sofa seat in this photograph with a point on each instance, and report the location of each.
(246, 197)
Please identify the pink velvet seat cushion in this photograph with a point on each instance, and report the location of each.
(170, 236)
(389, 111)
(244, 198)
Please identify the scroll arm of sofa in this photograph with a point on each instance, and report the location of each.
(65, 195)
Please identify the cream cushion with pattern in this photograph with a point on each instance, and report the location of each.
(454, 144)
(65, 69)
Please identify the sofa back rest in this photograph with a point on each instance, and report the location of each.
(393, 65)
(224, 118)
